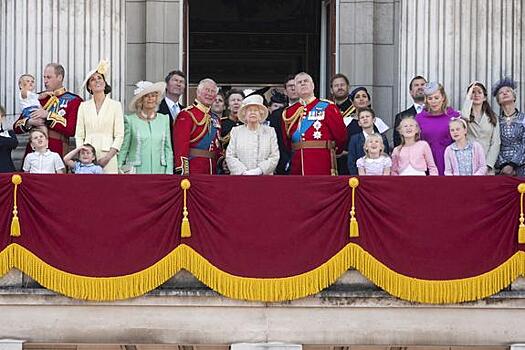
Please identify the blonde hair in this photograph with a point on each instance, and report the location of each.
(441, 90)
(374, 137)
(140, 102)
(458, 120)
(24, 77)
(417, 136)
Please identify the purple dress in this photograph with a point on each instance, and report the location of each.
(434, 130)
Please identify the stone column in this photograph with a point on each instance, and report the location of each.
(368, 50)
(152, 44)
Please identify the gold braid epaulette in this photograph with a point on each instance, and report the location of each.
(289, 122)
(350, 110)
(205, 121)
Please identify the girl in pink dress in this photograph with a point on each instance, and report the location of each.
(413, 156)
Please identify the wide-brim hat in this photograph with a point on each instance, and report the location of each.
(144, 88)
(102, 68)
(253, 100)
(506, 81)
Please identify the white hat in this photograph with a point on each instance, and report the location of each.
(102, 68)
(253, 100)
(144, 88)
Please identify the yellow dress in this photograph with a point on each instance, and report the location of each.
(103, 130)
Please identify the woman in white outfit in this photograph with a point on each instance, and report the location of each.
(253, 146)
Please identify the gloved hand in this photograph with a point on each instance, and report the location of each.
(256, 171)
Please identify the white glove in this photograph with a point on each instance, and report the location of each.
(256, 171)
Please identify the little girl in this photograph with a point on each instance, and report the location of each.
(463, 157)
(375, 161)
(413, 156)
(87, 160)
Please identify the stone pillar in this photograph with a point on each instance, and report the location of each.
(368, 50)
(269, 346)
(153, 40)
(11, 344)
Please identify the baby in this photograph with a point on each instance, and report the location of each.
(27, 98)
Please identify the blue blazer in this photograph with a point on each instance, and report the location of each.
(356, 151)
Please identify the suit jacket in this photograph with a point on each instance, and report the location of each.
(356, 151)
(406, 113)
(275, 120)
(164, 109)
(7, 144)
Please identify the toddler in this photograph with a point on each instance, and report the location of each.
(87, 160)
(375, 161)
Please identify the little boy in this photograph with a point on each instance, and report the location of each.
(42, 160)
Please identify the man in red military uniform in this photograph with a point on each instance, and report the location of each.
(313, 130)
(58, 113)
(196, 134)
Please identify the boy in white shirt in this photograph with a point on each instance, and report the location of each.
(42, 160)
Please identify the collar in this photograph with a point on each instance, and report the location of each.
(82, 165)
(456, 148)
(201, 107)
(419, 107)
(43, 154)
(308, 100)
(59, 92)
(169, 102)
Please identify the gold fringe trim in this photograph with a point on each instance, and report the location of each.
(263, 289)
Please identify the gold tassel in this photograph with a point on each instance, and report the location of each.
(15, 223)
(521, 230)
(354, 226)
(185, 230)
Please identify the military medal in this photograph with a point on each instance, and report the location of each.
(317, 125)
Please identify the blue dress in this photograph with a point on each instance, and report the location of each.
(512, 149)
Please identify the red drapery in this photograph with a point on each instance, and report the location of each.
(264, 238)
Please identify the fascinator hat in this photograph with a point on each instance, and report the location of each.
(506, 81)
(102, 69)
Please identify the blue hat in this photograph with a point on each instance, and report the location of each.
(507, 81)
(431, 88)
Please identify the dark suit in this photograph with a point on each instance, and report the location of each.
(356, 151)
(7, 144)
(164, 109)
(276, 122)
(406, 113)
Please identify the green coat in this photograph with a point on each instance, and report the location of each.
(147, 145)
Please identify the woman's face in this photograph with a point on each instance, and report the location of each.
(435, 102)
(361, 99)
(506, 96)
(149, 101)
(478, 96)
(218, 105)
(96, 83)
(253, 115)
(234, 103)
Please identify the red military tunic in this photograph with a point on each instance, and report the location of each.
(314, 134)
(196, 144)
(61, 120)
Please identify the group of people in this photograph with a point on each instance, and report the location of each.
(294, 133)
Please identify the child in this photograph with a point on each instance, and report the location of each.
(375, 162)
(463, 157)
(27, 98)
(42, 160)
(87, 160)
(8, 142)
(413, 156)
(365, 118)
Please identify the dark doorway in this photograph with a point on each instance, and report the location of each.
(252, 42)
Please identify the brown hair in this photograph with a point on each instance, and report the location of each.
(107, 88)
(485, 108)
(365, 109)
(337, 76)
(90, 146)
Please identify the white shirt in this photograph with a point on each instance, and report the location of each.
(43, 163)
(173, 106)
(30, 101)
(418, 107)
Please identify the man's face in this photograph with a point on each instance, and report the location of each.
(339, 89)
(416, 91)
(290, 90)
(304, 85)
(206, 93)
(52, 81)
(176, 85)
